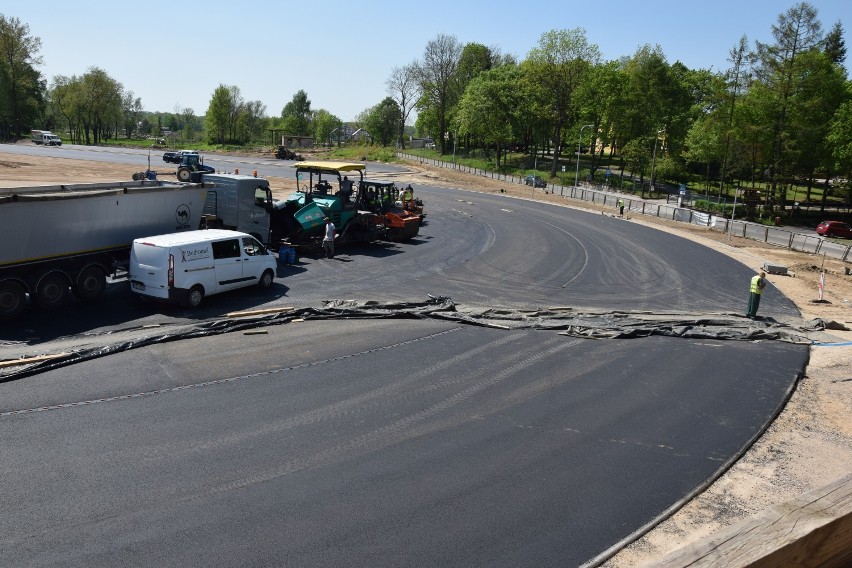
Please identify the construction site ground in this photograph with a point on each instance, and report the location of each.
(808, 446)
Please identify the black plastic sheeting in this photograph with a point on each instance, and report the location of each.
(588, 325)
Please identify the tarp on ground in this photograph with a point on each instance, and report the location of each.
(565, 321)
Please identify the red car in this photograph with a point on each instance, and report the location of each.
(834, 229)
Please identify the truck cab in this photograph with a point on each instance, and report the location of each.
(239, 203)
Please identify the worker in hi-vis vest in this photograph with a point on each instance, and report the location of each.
(758, 283)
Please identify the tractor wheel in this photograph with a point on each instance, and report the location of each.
(13, 299)
(90, 284)
(183, 174)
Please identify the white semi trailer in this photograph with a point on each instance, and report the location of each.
(61, 239)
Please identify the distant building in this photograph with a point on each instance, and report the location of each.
(297, 141)
(421, 143)
(361, 135)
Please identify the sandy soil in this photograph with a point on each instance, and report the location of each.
(808, 446)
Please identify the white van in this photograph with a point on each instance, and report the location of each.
(185, 267)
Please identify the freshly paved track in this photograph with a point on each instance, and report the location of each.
(394, 442)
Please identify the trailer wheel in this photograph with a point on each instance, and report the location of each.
(52, 290)
(90, 284)
(195, 296)
(13, 299)
(266, 279)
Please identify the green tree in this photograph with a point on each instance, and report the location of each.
(821, 92)
(21, 86)
(835, 46)
(189, 123)
(131, 107)
(253, 120)
(218, 113)
(704, 144)
(557, 67)
(381, 121)
(99, 104)
(840, 140)
(598, 100)
(474, 60)
(796, 32)
(327, 127)
(490, 108)
(436, 75)
(735, 80)
(648, 101)
(296, 115)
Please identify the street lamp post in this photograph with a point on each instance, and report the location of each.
(579, 142)
(654, 158)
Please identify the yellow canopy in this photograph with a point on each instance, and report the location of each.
(330, 167)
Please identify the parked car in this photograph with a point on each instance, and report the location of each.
(535, 181)
(175, 156)
(834, 229)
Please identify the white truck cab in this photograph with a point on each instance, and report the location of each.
(185, 267)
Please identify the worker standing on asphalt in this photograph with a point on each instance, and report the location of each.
(758, 283)
(328, 239)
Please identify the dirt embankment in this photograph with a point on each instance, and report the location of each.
(808, 446)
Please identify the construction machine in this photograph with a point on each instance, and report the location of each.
(385, 199)
(299, 220)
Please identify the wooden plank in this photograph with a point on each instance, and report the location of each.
(28, 360)
(814, 530)
(257, 312)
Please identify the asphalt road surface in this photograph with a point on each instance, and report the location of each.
(392, 442)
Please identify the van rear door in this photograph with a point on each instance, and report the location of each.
(149, 269)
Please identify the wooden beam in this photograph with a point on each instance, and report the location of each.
(813, 530)
(257, 312)
(28, 360)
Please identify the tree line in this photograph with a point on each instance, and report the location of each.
(781, 113)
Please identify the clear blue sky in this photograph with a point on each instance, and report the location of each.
(174, 54)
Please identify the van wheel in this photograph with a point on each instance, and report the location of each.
(266, 279)
(195, 297)
(52, 291)
(90, 284)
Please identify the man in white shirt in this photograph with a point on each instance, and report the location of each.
(328, 239)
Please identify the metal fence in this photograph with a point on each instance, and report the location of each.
(776, 236)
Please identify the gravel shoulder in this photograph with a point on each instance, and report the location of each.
(808, 446)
